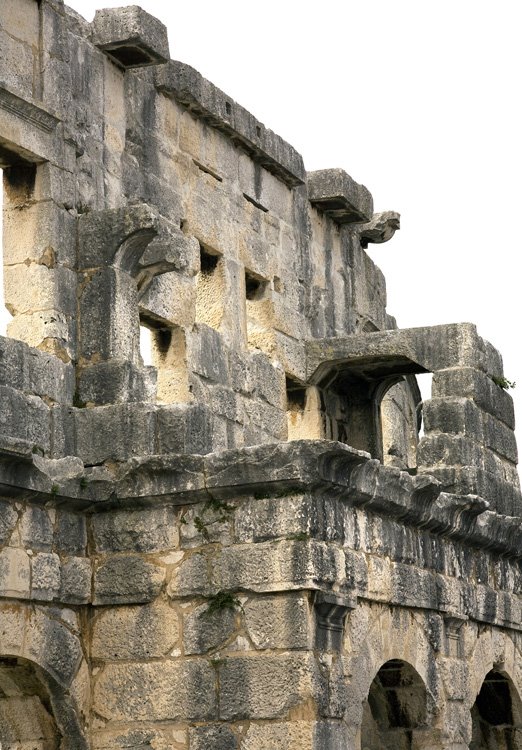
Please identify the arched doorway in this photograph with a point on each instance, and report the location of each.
(26, 719)
(394, 709)
(496, 715)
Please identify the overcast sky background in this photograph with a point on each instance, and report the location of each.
(420, 101)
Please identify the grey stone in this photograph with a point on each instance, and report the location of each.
(127, 579)
(204, 629)
(131, 36)
(36, 528)
(70, 533)
(148, 530)
(45, 576)
(76, 580)
(339, 196)
(213, 737)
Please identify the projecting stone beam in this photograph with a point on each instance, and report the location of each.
(336, 194)
(130, 36)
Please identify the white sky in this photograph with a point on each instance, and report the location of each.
(417, 99)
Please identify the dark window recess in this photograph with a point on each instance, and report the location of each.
(254, 286)
(208, 261)
(228, 108)
(295, 395)
(160, 337)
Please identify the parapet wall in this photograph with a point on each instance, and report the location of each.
(226, 548)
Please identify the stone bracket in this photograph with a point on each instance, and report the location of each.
(331, 610)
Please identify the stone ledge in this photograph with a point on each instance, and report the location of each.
(130, 36)
(206, 102)
(335, 193)
(269, 470)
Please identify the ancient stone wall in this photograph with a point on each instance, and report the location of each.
(245, 545)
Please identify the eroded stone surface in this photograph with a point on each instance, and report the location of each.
(219, 527)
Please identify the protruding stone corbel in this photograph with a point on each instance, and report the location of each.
(453, 623)
(381, 228)
(331, 610)
(337, 195)
(130, 36)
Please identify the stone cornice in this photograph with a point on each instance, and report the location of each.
(270, 470)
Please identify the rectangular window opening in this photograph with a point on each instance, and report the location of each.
(255, 286)
(163, 346)
(210, 290)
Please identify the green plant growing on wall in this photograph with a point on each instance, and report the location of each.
(223, 600)
(503, 383)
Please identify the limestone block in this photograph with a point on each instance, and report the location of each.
(413, 586)
(116, 382)
(14, 573)
(48, 377)
(131, 632)
(453, 415)
(215, 736)
(45, 328)
(164, 738)
(207, 354)
(131, 36)
(204, 630)
(279, 622)
(76, 578)
(24, 417)
(8, 520)
(268, 380)
(17, 71)
(289, 517)
(117, 432)
(184, 428)
(144, 692)
(45, 576)
(109, 295)
(171, 297)
(70, 533)
(291, 735)
(268, 418)
(468, 382)
(20, 20)
(264, 687)
(38, 287)
(36, 528)
(148, 530)
(191, 577)
(272, 566)
(339, 196)
(43, 233)
(127, 579)
(54, 647)
(257, 183)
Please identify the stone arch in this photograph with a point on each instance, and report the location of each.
(495, 675)
(42, 673)
(496, 715)
(396, 707)
(378, 634)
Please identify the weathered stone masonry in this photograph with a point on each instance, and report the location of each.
(245, 546)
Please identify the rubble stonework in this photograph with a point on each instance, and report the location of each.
(246, 545)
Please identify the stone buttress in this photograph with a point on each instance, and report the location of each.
(219, 528)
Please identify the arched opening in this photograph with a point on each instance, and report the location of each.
(496, 715)
(400, 412)
(395, 708)
(26, 719)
